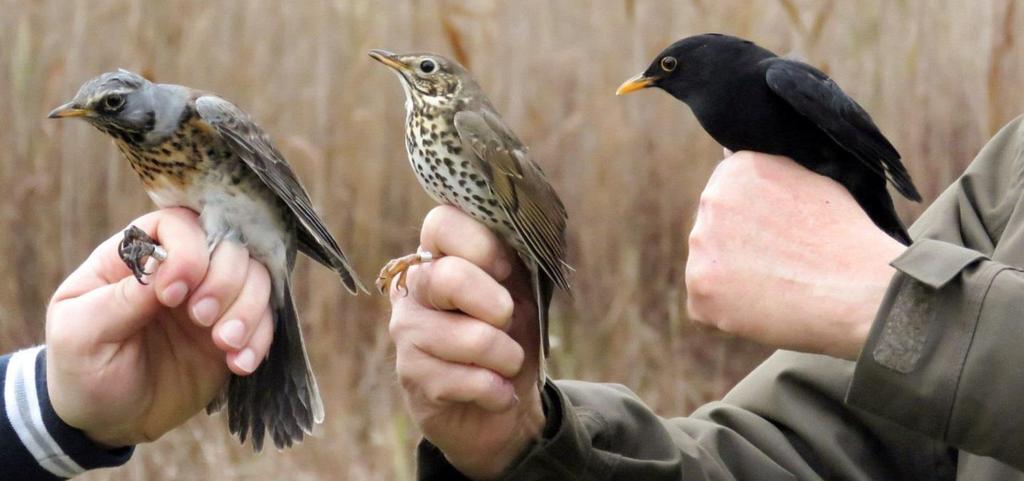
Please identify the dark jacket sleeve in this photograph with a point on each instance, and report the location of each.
(946, 351)
(939, 373)
(785, 421)
(35, 444)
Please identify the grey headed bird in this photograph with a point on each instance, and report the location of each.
(748, 98)
(196, 150)
(464, 155)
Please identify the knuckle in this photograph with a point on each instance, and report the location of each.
(505, 307)
(739, 162)
(183, 213)
(707, 200)
(697, 238)
(446, 275)
(699, 280)
(406, 376)
(478, 340)
(693, 310)
(432, 390)
(259, 273)
(191, 266)
(434, 223)
(396, 326)
(699, 311)
(518, 357)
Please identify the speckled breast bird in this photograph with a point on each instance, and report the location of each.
(196, 150)
(464, 155)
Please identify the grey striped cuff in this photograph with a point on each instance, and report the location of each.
(22, 405)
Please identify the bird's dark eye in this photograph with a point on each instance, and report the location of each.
(427, 66)
(668, 64)
(113, 102)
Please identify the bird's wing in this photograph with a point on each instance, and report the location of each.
(815, 96)
(523, 191)
(252, 144)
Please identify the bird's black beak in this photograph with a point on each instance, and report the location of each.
(67, 110)
(636, 83)
(389, 59)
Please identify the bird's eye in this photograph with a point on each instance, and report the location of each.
(427, 66)
(668, 64)
(113, 102)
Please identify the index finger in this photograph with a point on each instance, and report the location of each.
(447, 231)
(177, 230)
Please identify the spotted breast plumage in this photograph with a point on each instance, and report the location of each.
(196, 150)
(436, 155)
(463, 154)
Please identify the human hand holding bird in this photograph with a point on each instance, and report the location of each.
(466, 346)
(127, 362)
(802, 268)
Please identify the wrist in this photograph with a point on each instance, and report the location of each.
(107, 440)
(486, 466)
(65, 407)
(876, 285)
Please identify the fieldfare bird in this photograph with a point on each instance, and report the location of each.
(464, 155)
(748, 98)
(196, 150)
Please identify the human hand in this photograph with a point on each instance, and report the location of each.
(127, 362)
(467, 346)
(786, 257)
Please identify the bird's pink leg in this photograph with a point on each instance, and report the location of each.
(399, 268)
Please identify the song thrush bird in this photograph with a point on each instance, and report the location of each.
(197, 150)
(464, 155)
(747, 98)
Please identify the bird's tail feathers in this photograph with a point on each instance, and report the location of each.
(349, 278)
(281, 397)
(543, 289)
(877, 203)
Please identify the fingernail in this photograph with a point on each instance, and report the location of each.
(175, 294)
(233, 333)
(205, 311)
(502, 269)
(246, 360)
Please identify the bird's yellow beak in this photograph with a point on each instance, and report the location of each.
(636, 83)
(389, 59)
(68, 110)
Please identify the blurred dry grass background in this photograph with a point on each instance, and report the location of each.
(939, 77)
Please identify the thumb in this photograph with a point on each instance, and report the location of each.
(115, 311)
(102, 295)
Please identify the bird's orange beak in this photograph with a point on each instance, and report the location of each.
(389, 59)
(636, 83)
(68, 110)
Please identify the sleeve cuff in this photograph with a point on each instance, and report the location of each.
(935, 263)
(911, 363)
(59, 448)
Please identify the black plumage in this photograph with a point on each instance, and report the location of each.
(748, 98)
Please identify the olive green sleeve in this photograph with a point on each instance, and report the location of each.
(785, 421)
(945, 354)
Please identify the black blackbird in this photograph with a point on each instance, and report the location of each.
(748, 98)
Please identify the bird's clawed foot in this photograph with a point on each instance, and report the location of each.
(399, 268)
(136, 248)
